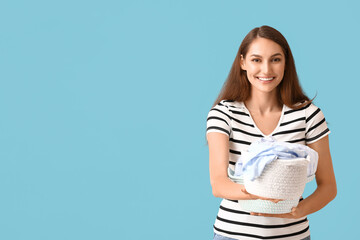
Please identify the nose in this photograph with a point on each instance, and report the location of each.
(266, 67)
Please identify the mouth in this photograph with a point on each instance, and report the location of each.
(265, 79)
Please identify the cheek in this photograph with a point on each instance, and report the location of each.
(281, 68)
(252, 69)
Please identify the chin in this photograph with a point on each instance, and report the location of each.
(265, 89)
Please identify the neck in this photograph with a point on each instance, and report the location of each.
(263, 103)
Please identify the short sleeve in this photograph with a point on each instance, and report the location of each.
(219, 119)
(316, 126)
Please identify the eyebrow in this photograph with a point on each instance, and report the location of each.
(255, 55)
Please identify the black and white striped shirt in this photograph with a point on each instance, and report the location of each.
(304, 126)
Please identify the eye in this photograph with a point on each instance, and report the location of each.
(255, 60)
(276, 59)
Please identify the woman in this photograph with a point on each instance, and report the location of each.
(262, 97)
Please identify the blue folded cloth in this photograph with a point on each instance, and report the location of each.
(260, 153)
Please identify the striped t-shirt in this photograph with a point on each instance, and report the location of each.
(304, 126)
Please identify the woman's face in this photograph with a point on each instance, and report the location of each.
(264, 64)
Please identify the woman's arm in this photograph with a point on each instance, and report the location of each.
(326, 185)
(222, 186)
(325, 179)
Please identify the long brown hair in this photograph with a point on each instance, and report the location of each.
(237, 86)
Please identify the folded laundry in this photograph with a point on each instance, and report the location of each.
(262, 152)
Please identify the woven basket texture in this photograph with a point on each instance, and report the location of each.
(266, 206)
(281, 179)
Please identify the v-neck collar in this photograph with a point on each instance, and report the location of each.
(242, 105)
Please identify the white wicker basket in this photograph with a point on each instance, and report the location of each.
(277, 178)
(281, 179)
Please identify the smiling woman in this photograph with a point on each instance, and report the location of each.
(262, 97)
(265, 71)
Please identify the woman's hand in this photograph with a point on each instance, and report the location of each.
(295, 211)
(254, 197)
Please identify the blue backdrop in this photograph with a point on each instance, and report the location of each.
(104, 103)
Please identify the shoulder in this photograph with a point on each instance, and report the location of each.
(305, 107)
(314, 117)
(229, 108)
(231, 105)
(312, 110)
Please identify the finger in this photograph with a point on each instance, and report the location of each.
(272, 200)
(294, 212)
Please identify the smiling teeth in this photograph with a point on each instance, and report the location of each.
(265, 79)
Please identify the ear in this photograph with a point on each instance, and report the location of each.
(242, 62)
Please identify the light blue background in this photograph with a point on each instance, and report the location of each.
(103, 111)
